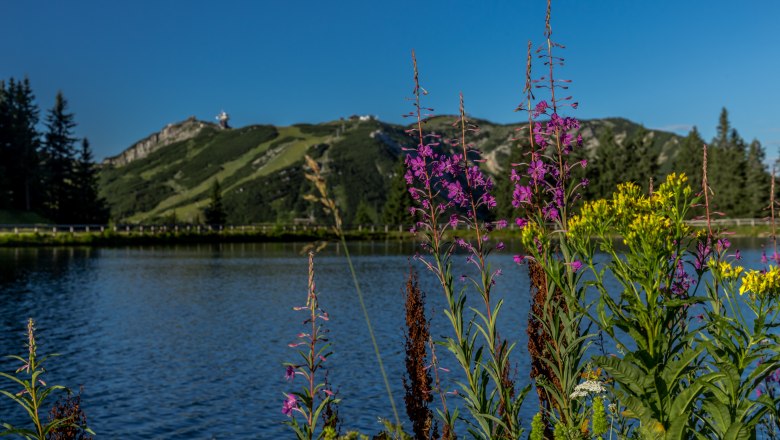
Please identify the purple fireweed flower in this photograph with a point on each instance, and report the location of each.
(453, 221)
(539, 136)
(536, 170)
(501, 224)
(541, 107)
(558, 196)
(723, 244)
(290, 404)
(521, 222)
(584, 182)
(776, 257)
(513, 176)
(289, 372)
(500, 246)
(518, 259)
(763, 257)
(521, 194)
(455, 193)
(489, 200)
(682, 281)
(576, 265)
(550, 212)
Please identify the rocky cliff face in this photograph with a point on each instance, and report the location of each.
(171, 133)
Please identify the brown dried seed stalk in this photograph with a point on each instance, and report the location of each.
(417, 381)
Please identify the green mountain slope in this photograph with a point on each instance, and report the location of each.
(259, 167)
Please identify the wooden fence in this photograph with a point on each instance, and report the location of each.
(270, 228)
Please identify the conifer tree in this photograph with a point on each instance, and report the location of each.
(92, 207)
(505, 186)
(757, 182)
(396, 209)
(689, 158)
(59, 155)
(726, 172)
(608, 166)
(364, 215)
(214, 213)
(5, 198)
(19, 143)
(641, 159)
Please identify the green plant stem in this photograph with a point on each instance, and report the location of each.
(370, 330)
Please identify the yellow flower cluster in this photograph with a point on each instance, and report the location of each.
(651, 230)
(628, 201)
(725, 270)
(530, 232)
(676, 185)
(643, 221)
(592, 219)
(761, 283)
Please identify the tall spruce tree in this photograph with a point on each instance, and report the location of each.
(396, 209)
(757, 182)
(608, 166)
(19, 143)
(59, 156)
(505, 187)
(689, 159)
(726, 169)
(642, 159)
(5, 158)
(92, 207)
(214, 213)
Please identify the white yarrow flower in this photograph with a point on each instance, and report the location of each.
(588, 387)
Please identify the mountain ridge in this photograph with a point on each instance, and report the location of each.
(168, 174)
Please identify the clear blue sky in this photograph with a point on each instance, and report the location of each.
(129, 68)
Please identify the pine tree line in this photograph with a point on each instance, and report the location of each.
(48, 172)
(738, 177)
(736, 173)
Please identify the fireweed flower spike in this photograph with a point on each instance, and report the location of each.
(315, 396)
(450, 189)
(543, 193)
(33, 395)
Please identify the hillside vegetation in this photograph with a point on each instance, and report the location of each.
(259, 167)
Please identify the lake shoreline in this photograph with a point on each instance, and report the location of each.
(111, 238)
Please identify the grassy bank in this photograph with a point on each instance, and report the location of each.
(111, 238)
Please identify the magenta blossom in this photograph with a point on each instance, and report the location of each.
(289, 372)
(576, 265)
(290, 404)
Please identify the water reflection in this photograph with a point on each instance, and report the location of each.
(186, 342)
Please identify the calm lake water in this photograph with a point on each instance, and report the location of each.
(189, 342)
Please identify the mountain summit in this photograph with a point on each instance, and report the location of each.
(259, 167)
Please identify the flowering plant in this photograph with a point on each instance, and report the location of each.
(315, 396)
